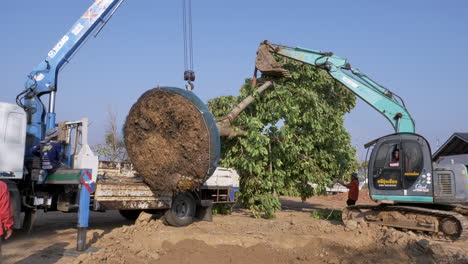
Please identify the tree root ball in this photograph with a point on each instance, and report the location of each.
(167, 141)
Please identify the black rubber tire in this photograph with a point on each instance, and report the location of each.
(182, 211)
(130, 214)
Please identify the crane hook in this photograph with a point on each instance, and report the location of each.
(189, 76)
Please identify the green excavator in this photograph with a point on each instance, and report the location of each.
(411, 191)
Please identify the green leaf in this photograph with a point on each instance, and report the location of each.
(295, 137)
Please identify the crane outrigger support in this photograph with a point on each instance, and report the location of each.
(380, 98)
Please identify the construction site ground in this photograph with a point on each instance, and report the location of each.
(295, 236)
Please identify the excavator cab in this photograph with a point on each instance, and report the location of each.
(400, 169)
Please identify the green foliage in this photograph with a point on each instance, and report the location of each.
(295, 136)
(222, 209)
(112, 150)
(327, 214)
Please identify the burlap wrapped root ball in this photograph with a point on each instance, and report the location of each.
(167, 141)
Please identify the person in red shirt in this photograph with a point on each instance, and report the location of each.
(353, 186)
(6, 215)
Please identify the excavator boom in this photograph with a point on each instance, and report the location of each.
(377, 96)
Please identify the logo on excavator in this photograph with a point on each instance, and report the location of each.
(387, 183)
(350, 82)
(58, 47)
(420, 188)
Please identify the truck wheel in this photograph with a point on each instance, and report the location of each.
(130, 214)
(15, 200)
(182, 211)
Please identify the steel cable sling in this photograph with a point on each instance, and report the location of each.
(189, 74)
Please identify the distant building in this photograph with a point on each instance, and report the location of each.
(454, 150)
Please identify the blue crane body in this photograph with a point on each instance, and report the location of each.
(401, 174)
(40, 82)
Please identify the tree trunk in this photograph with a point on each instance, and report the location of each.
(225, 124)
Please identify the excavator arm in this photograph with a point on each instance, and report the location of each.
(377, 96)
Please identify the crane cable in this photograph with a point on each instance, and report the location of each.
(189, 74)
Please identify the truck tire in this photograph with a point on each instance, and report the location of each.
(15, 200)
(130, 214)
(182, 211)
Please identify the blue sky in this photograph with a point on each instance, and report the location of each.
(418, 49)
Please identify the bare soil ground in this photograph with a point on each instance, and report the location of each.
(293, 237)
(54, 234)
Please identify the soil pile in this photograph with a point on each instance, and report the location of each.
(167, 141)
(293, 237)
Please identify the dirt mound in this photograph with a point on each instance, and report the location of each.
(317, 250)
(167, 141)
(293, 237)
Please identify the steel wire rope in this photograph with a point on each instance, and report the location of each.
(189, 74)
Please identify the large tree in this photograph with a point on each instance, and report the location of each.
(294, 137)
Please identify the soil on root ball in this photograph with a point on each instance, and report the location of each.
(167, 141)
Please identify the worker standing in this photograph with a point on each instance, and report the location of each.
(50, 151)
(6, 215)
(353, 187)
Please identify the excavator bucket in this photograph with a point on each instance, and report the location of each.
(266, 63)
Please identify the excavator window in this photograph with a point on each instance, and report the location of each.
(413, 162)
(387, 169)
(381, 158)
(397, 165)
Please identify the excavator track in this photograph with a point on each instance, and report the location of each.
(452, 221)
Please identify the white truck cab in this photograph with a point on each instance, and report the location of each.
(12, 141)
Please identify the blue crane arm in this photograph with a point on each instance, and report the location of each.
(377, 96)
(43, 79)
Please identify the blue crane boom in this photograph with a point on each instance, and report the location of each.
(381, 99)
(43, 79)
